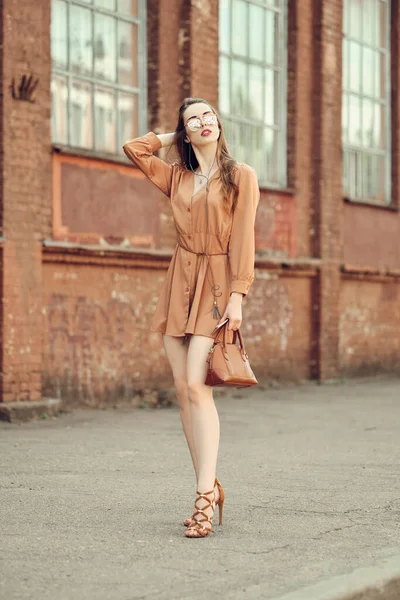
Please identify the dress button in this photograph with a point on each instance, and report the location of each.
(188, 289)
(188, 209)
(189, 262)
(189, 237)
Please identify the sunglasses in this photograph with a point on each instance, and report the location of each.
(195, 124)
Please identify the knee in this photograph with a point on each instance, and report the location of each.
(198, 392)
(181, 387)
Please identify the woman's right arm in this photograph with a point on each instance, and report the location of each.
(140, 152)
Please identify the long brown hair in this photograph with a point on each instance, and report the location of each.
(226, 163)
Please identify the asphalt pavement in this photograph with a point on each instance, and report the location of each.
(92, 502)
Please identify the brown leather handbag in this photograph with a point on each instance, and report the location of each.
(228, 364)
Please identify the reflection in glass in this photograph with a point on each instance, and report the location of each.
(59, 112)
(255, 107)
(80, 40)
(105, 120)
(239, 27)
(81, 134)
(127, 117)
(128, 7)
(59, 46)
(256, 157)
(128, 54)
(225, 26)
(239, 88)
(369, 71)
(224, 86)
(257, 38)
(104, 47)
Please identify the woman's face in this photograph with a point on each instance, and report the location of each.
(201, 124)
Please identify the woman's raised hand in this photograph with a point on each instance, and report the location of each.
(233, 311)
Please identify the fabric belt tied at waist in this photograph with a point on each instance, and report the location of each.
(214, 287)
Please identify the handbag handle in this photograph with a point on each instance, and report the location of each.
(236, 334)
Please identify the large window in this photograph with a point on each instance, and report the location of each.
(366, 100)
(252, 84)
(99, 79)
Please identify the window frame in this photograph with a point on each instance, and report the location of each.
(279, 126)
(139, 92)
(360, 151)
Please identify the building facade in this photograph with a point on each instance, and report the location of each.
(309, 96)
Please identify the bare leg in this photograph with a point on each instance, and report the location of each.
(205, 421)
(177, 357)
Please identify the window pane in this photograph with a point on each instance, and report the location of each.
(345, 118)
(271, 154)
(256, 155)
(354, 120)
(240, 29)
(256, 93)
(380, 77)
(370, 22)
(355, 66)
(225, 25)
(257, 37)
(128, 54)
(271, 37)
(128, 117)
(81, 115)
(269, 97)
(80, 34)
(369, 67)
(105, 120)
(104, 47)
(367, 122)
(224, 86)
(345, 65)
(383, 18)
(379, 132)
(239, 88)
(59, 46)
(129, 7)
(355, 18)
(59, 111)
(108, 4)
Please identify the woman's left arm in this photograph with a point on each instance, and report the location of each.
(242, 244)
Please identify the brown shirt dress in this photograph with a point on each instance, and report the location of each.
(215, 251)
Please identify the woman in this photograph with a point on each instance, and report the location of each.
(214, 201)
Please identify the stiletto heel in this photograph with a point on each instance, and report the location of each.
(221, 499)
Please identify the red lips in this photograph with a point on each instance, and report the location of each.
(206, 132)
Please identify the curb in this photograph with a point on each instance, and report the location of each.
(25, 410)
(378, 582)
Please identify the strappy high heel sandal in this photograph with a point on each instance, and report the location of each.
(198, 528)
(220, 503)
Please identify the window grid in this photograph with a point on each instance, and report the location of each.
(366, 164)
(256, 138)
(135, 96)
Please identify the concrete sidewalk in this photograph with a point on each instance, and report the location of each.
(92, 502)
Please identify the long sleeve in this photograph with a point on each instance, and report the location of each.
(140, 152)
(242, 243)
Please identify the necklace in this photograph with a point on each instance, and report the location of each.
(206, 177)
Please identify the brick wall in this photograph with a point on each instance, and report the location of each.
(75, 319)
(26, 195)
